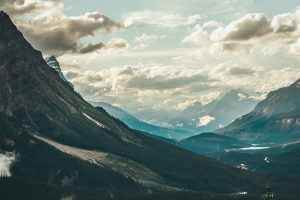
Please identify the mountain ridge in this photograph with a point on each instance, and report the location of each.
(53, 63)
(233, 104)
(278, 102)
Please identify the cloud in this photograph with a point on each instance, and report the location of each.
(162, 19)
(184, 105)
(275, 79)
(285, 22)
(179, 125)
(115, 45)
(5, 161)
(207, 98)
(160, 124)
(149, 85)
(24, 7)
(212, 24)
(198, 36)
(73, 65)
(174, 87)
(248, 27)
(252, 32)
(223, 70)
(222, 47)
(59, 34)
(295, 48)
(146, 38)
(91, 48)
(205, 120)
(140, 46)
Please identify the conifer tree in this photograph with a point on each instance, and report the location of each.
(269, 195)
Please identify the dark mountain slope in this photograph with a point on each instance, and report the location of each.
(37, 160)
(15, 188)
(35, 100)
(134, 123)
(287, 163)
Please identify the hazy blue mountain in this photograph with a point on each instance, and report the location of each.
(134, 123)
(275, 119)
(155, 117)
(232, 105)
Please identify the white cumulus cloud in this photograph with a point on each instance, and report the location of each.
(205, 120)
(162, 19)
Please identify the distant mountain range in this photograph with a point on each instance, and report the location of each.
(187, 122)
(217, 113)
(134, 123)
(275, 119)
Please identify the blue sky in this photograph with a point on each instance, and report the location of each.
(163, 54)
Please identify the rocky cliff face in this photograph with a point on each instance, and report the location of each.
(53, 63)
(22, 69)
(275, 117)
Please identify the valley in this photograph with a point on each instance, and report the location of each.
(55, 144)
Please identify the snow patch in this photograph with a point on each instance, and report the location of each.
(98, 123)
(6, 160)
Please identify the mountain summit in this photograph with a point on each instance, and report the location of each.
(53, 63)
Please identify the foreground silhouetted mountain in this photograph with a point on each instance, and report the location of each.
(276, 119)
(222, 112)
(36, 105)
(134, 123)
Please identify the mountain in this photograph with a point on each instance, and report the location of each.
(134, 123)
(276, 119)
(60, 138)
(53, 63)
(205, 143)
(234, 104)
(220, 112)
(210, 142)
